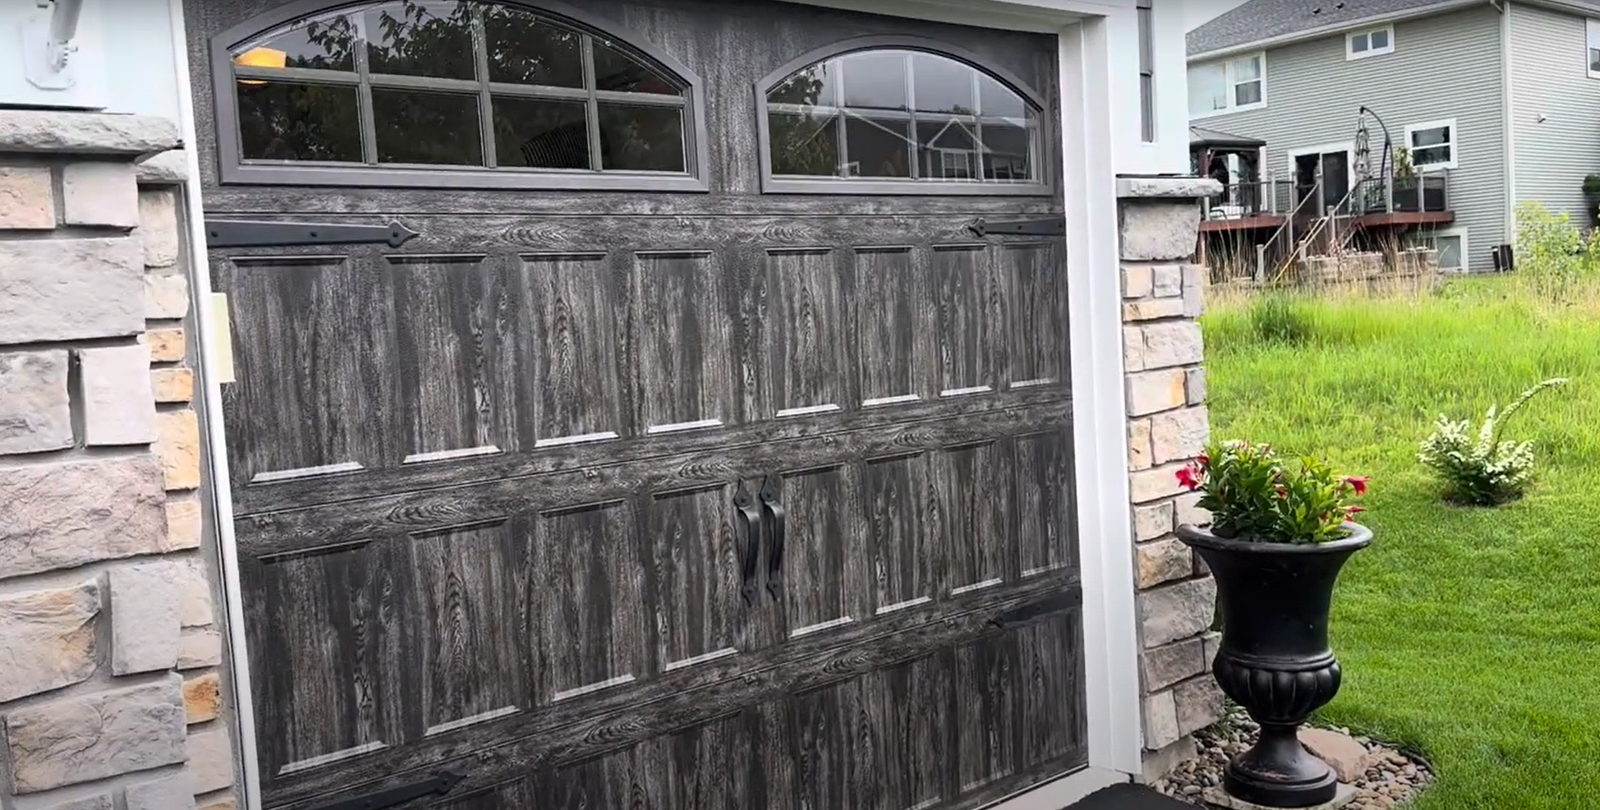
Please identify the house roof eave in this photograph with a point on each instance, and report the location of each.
(1336, 28)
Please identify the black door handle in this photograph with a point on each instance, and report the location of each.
(774, 518)
(747, 521)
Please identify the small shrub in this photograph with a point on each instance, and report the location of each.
(1253, 495)
(1278, 318)
(1552, 256)
(1482, 470)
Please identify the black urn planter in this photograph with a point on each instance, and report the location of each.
(1274, 659)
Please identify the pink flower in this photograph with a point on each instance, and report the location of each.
(1358, 483)
(1188, 477)
(1352, 511)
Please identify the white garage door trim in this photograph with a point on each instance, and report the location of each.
(1094, 141)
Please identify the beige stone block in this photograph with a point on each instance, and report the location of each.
(178, 447)
(80, 133)
(1132, 348)
(70, 289)
(1136, 280)
(1154, 484)
(1159, 230)
(63, 515)
(1153, 309)
(166, 296)
(225, 804)
(27, 198)
(211, 759)
(35, 408)
(1199, 703)
(100, 193)
(1154, 391)
(144, 618)
(1160, 721)
(166, 345)
(170, 385)
(158, 226)
(1173, 343)
(184, 524)
(1166, 280)
(96, 736)
(171, 792)
(118, 406)
(202, 697)
(1177, 611)
(1152, 521)
(199, 647)
(1139, 444)
(1171, 663)
(1161, 562)
(1179, 435)
(1188, 512)
(1195, 385)
(194, 593)
(47, 639)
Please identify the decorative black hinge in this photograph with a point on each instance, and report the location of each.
(438, 785)
(1049, 226)
(248, 233)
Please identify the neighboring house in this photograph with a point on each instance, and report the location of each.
(519, 405)
(1502, 98)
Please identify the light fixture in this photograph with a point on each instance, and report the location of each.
(48, 43)
(261, 58)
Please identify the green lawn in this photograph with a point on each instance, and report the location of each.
(1470, 635)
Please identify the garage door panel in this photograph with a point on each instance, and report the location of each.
(589, 575)
(1034, 275)
(683, 333)
(892, 315)
(572, 301)
(966, 295)
(972, 526)
(696, 563)
(899, 514)
(804, 331)
(1044, 503)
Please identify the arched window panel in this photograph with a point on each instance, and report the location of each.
(901, 119)
(407, 88)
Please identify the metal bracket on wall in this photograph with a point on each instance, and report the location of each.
(1048, 226)
(224, 233)
(440, 784)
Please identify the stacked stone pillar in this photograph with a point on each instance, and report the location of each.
(111, 692)
(1163, 353)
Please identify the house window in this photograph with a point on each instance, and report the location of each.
(1147, 74)
(1433, 146)
(1227, 86)
(1450, 245)
(1594, 48)
(898, 118)
(409, 89)
(1374, 42)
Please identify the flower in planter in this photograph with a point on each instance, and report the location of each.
(1254, 495)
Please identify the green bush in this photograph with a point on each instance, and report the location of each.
(1279, 318)
(1482, 470)
(1552, 256)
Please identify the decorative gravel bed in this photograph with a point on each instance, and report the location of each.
(1391, 781)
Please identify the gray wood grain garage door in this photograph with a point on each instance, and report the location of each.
(508, 497)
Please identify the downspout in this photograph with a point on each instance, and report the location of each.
(1508, 125)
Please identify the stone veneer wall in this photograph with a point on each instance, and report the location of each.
(1163, 293)
(111, 692)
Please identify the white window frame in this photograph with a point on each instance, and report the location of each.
(1350, 52)
(1232, 82)
(1429, 239)
(1454, 143)
(1591, 53)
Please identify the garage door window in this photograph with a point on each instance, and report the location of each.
(899, 119)
(454, 93)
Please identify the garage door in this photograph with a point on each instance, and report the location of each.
(659, 405)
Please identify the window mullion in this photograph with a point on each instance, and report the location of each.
(980, 172)
(369, 126)
(914, 143)
(480, 48)
(838, 93)
(589, 84)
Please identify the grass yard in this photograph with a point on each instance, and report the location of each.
(1470, 635)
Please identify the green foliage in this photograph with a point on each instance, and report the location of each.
(1280, 318)
(1552, 257)
(1402, 163)
(1486, 469)
(1591, 185)
(1254, 495)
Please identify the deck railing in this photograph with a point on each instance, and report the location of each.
(1424, 191)
(1253, 199)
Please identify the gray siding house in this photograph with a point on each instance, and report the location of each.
(1501, 98)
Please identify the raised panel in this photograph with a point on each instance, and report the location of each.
(913, 706)
(469, 628)
(820, 563)
(312, 393)
(1050, 670)
(699, 611)
(456, 368)
(831, 751)
(803, 317)
(574, 301)
(1045, 509)
(893, 313)
(974, 491)
(515, 794)
(590, 578)
(1035, 275)
(897, 525)
(703, 767)
(335, 682)
(684, 334)
(988, 712)
(968, 315)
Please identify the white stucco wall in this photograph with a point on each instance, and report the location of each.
(123, 64)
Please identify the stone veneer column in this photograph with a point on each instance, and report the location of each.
(1167, 424)
(110, 650)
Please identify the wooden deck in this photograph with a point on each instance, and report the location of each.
(1249, 223)
(1405, 219)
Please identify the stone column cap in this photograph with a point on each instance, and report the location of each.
(85, 133)
(1167, 187)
